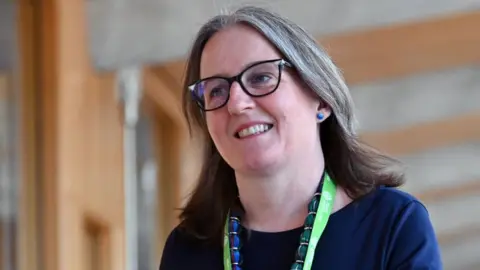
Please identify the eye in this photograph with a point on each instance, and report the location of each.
(260, 78)
(217, 91)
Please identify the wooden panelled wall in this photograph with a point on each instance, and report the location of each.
(72, 145)
(367, 56)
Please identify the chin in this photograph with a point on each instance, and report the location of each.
(261, 163)
(255, 156)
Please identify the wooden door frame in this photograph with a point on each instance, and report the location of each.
(31, 254)
(38, 241)
(169, 138)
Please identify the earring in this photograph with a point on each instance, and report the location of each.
(320, 116)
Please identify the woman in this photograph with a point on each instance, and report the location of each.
(285, 183)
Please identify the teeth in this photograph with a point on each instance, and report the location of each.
(257, 129)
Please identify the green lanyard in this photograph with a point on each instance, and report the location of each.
(325, 207)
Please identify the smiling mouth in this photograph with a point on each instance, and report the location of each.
(253, 130)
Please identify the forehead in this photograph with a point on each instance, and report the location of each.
(232, 49)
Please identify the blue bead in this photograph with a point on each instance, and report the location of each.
(236, 256)
(235, 225)
(296, 266)
(320, 116)
(235, 241)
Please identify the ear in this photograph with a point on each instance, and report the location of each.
(323, 112)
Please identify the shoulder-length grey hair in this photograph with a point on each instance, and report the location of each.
(353, 165)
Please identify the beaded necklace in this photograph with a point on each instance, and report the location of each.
(319, 210)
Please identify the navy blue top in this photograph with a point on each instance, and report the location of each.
(386, 229)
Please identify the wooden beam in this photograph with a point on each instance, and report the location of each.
(156, 91)
(397, 50)
(402, 50)
(46, 30)
(450, 192)
(424, 136)
(460, 235)
(31, 232)
(81, 141)
(176, 70)
(463, 232)
(171, 82)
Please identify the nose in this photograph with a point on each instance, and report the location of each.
(239, 102)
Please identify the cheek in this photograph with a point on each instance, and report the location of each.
(294, 112)
(282, 106)
(216, 127)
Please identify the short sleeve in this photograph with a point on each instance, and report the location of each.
(414, 244)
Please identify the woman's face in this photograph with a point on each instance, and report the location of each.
(258, 134)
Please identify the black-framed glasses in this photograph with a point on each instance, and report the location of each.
(257, 80)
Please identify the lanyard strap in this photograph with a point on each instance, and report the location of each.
(321, 218)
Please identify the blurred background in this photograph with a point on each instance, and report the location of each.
(95, 156)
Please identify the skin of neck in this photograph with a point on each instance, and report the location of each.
(278, 201)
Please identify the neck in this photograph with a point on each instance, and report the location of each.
(279, 201)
